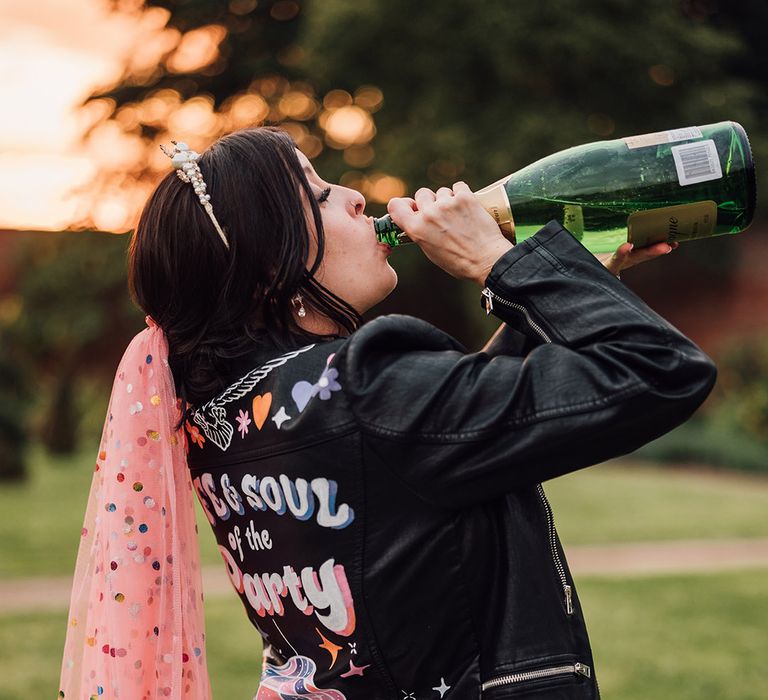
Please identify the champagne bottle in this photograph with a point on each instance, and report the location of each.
(675, 185)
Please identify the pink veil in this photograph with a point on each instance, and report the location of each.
(136, 628)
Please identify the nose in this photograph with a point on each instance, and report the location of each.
(356, 202)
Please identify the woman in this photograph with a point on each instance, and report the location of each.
(375, 491)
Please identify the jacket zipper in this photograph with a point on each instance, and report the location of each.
(567, 590)
(490, 296)
(512, 678)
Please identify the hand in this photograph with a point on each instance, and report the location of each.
(625, 257)
(453, 229)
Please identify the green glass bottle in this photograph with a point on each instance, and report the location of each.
(675, 185)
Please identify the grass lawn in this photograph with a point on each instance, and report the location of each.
(627, 501)
(619, 501)
(697, 637)
(32, 645)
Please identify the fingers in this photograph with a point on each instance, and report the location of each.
(627, 256)
(424, 197)
(402, 210)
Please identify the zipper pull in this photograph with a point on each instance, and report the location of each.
(582, 669)
(488, 294)
(568, 599)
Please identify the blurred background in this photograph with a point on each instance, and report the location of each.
(669, 546)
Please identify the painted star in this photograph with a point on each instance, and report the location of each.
(354, 670)
(330, 647)
(280, 417)
(352, 647)
(442, 688)
(408, 696)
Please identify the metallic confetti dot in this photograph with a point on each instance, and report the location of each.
(105, 648)
(184, 657)
(90, 641)
(111, 507)
(156, 631)
(121, 478)
(137, 664)
(85, 531)
(102, 455)
(153, 435)
(169, 559)
(197, 651)
(129, 519)
(147, 551)
(120, 652)
(167, 658)
(131, 546)
(149, 502)
(119, 597)
(141, 441)
(143, 527)
(138, 558)
(129, 388)
(155, 400)
(138, 486)
(156, 565)
(113, 565)
(149, 359)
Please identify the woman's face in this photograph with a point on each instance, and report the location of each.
(354, 265)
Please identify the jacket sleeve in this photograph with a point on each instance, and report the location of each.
(607, 375)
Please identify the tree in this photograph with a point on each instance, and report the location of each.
(390, 95)
(75, 320)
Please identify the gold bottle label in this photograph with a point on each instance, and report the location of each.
(496, 202)
(682, 222)
(573, 219)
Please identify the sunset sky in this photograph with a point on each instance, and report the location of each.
(53, 53)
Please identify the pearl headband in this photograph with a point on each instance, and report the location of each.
(185, 161)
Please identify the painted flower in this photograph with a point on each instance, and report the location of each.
(327, 383)
(195, 434)
(242, 423)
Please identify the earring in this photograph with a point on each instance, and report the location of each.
(302, 312)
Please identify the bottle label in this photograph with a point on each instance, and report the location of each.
(682, 222)
(654, 139)
(697, 162)
(495, 201)
(573, 219)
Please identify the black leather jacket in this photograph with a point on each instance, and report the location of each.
(383, 518)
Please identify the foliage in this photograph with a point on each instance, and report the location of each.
(75, 319)
(731, 430)
(14, 401)
(442, 91)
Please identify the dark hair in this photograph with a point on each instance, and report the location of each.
(216, 304)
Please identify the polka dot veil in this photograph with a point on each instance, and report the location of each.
(136, 629)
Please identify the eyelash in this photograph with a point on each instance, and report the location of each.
(324, 195)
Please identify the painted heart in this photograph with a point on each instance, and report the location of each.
(301, 393)
(261, 406)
